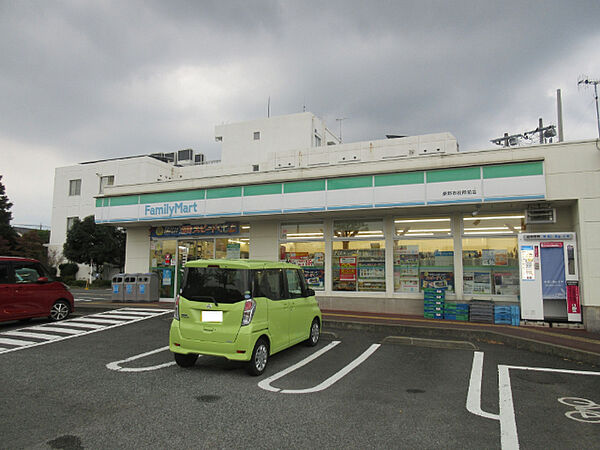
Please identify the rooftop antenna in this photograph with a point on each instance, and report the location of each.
(340, 120)
(269, 107)
(585, 82)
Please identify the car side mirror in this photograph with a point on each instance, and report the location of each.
(310, 292)
(42, 280)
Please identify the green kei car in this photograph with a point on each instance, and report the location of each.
(243, 310)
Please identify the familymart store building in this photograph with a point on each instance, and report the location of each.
(371, 236)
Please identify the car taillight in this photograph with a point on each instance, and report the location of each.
(249, 308)
(176, 311)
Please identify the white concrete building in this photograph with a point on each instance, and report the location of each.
(375, 223)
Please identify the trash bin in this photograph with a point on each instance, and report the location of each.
(147, 287)
(117, 287)
(130, 287)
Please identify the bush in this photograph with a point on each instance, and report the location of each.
(76, 283)
(101, 283)
(68, 270)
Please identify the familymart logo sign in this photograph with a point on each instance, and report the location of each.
(176, 209)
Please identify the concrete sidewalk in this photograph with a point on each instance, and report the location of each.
(575, 344)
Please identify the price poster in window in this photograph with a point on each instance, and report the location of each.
(347, 268)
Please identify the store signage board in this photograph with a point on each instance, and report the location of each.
(195, 230)
(435, 187)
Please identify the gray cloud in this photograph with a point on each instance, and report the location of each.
(90, 80)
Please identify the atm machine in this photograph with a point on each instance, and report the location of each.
(549, 277)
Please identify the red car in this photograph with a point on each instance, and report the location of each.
(26, 291)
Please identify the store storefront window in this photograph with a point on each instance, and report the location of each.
(232, 248)
(303, 244)
(423, 258)
(490, 263)
(358, 258)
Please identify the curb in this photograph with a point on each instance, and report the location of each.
(484, 336)
(417, 331)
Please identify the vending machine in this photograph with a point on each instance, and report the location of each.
(549, 277)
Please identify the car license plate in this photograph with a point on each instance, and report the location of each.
(212, 316)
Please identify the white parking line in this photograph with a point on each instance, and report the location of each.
(94, 320)
(70, 323)
(74, 328)
(56, 329)
(266, 384)
(116, 365)
(474, 394)
(509, 438)
(15, 342)
(115, 316)
(18, 333)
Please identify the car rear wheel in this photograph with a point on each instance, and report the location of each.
(185, 360)
(315, 333)
(59, 311)
(260, 357)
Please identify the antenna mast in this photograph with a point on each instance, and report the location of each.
(340, 120)
(585, 82)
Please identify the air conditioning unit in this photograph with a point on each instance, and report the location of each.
(540, 215)
(185, 155)
(199, 158)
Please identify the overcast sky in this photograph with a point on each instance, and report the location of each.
(85, 80)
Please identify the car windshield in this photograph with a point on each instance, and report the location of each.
(215, 284)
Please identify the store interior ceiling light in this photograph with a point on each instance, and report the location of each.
(489, 232)
(422, 220)
(421, 234)
(245, 227)
(491, 228)
(494, 217)
(304, 234)
(432, 230)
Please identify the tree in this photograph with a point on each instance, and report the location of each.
(88, 243)
(31, 245)
(8, 236)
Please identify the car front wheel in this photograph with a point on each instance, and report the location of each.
(59, 311)
(260, 357)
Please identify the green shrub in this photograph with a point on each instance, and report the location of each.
(68, 270)
(101, 283)
(76, 283)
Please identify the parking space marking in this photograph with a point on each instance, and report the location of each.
(116, 365)
(94, 319)
(26, 334)
(71, 328)
(56, 329)
(266, 384)
(474, 393)
(509, 438)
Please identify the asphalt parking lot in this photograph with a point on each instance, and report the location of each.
(117, 387)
